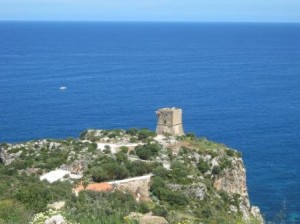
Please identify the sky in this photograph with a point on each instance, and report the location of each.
(152, 10)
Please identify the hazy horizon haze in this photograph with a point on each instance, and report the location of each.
(151, 11)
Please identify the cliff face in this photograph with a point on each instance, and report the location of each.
(233, 181)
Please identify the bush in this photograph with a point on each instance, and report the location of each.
(147, 151)
(203, 166)
(139, 168)
(145, 133)
(35, 197)
(143, 208)
(216, 170)
(124, 149)
(121, 157)
(161, 172)
(107, 149)
(96, 207)
(109, 171)
(132, 131)
(224, 163)
(179, 173)
(224, 195)
(160, 211)
(191, 136)
(174, 198)
(12, 211)
(156, 183)
(230, 152)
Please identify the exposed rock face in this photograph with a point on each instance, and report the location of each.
(147, 218)
(233, 181)
(198, 190)
(57, 205)
(57, 219)
(77, 167)
(6, 157)
(139, 188)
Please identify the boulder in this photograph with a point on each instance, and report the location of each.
(56, 219)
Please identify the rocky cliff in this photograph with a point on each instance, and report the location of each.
(194, 180)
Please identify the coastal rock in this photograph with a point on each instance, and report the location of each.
(255, 211)
(233, 181)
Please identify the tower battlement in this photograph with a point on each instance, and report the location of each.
(169, 121)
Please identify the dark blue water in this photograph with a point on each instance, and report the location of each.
(237, 84)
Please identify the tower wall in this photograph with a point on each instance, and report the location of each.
(169, 121)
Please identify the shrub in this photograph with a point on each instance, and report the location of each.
(109, 171)
(179, 173)
(191, 136)
(224, 163)
(143, 208)
(224, 195)
(160, 211)
(124, 149)
(147, 151)
(133, 140)
(145, 133)
(139, 168)
(121, 157)
(112, 135)
(107, 149)
(230, 152)
(35, 197)
(216, 170)
(12, 211)
(132, 131)
(161, 172)
(96, 207)
(203, 166)
(183, 150)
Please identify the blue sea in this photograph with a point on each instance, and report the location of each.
(238, 84)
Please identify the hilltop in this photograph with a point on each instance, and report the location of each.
(124, 176)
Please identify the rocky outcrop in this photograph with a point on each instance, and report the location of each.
(196, 190)
(233, 181)
(147, 218)
(6, 157)
(56, 219)
(57, 205)
(203, 164)
(138, 188)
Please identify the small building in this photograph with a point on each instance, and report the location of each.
(169, 121)
(59, 175)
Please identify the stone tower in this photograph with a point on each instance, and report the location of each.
(169, 121)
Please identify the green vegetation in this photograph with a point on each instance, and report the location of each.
(181, 189)
(106, 208)
(147, 151)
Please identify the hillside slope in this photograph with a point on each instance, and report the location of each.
(184, 179)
